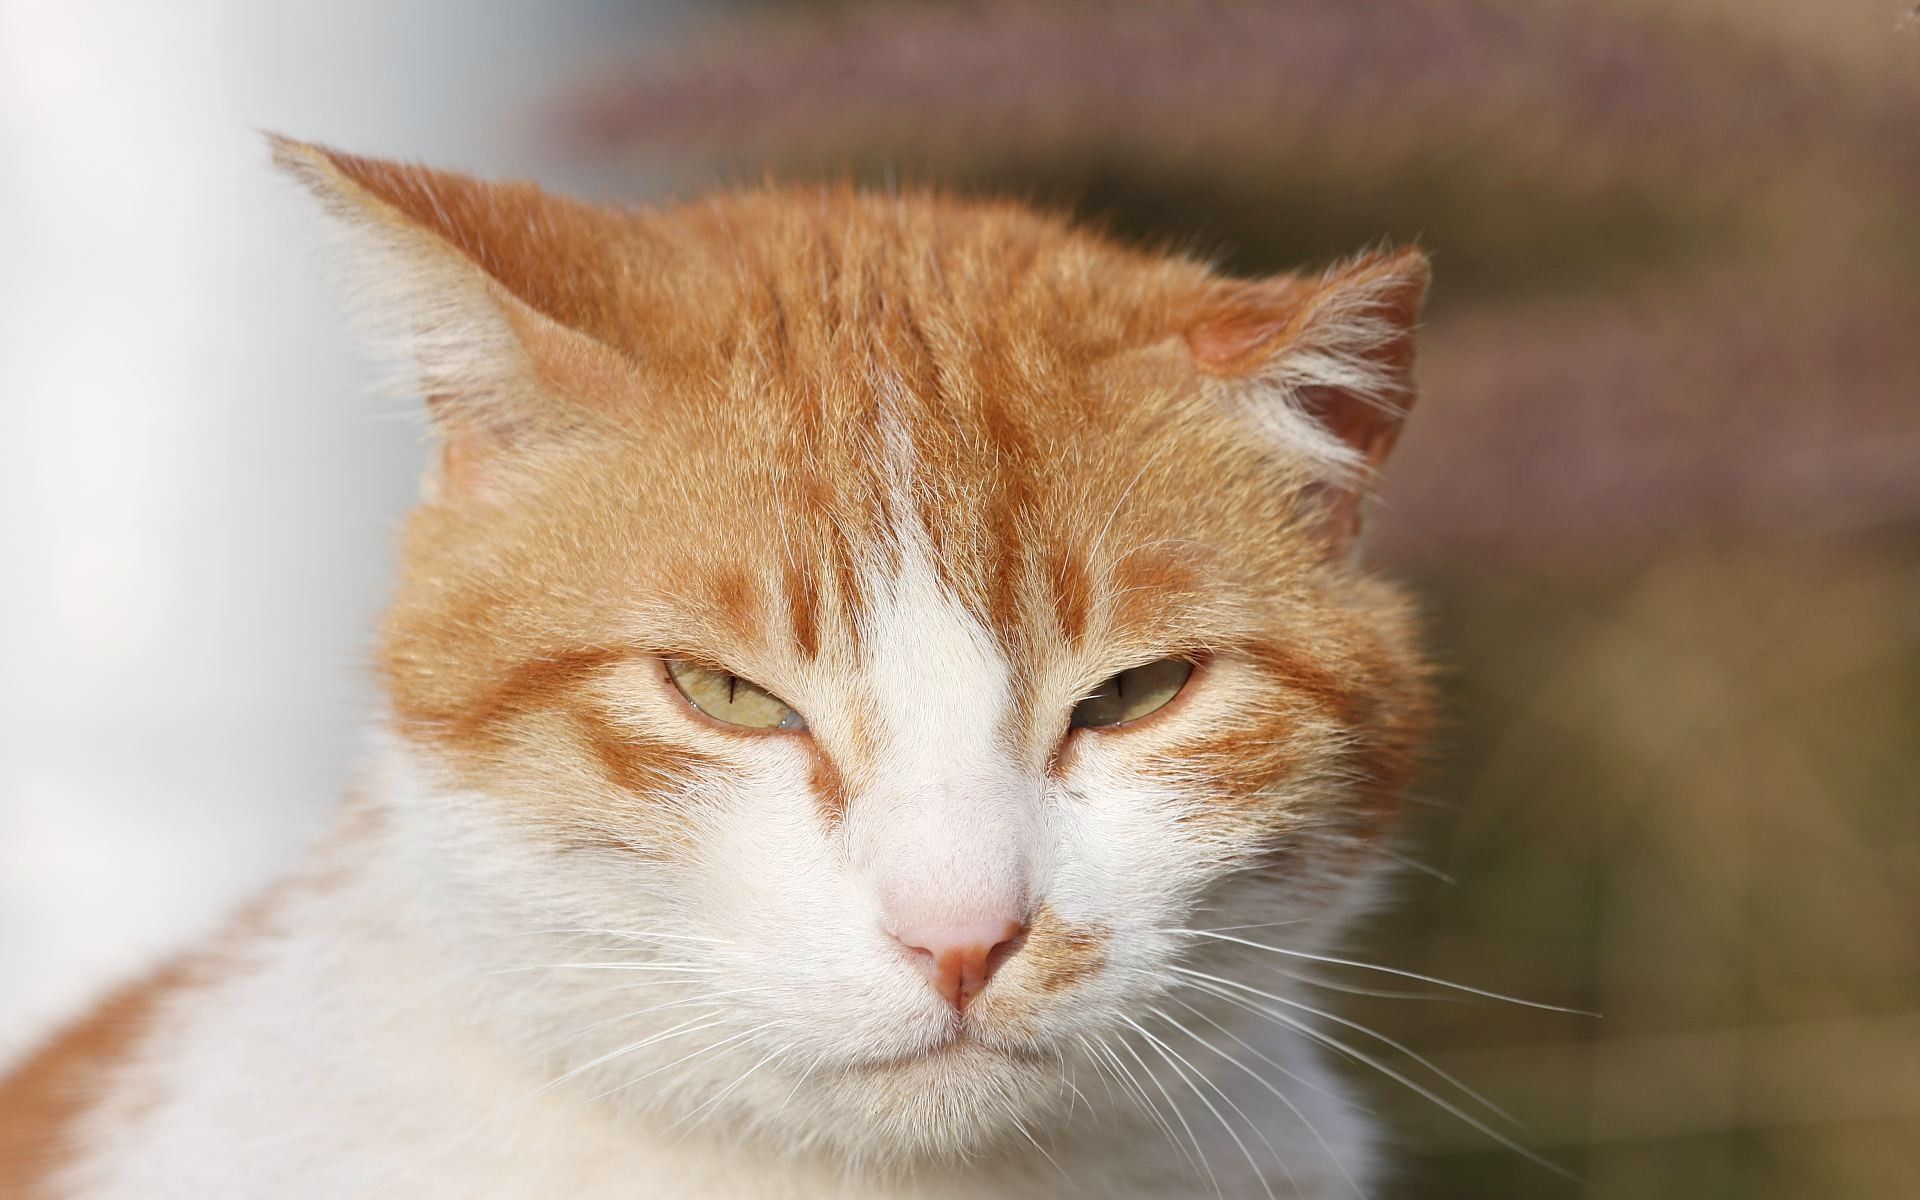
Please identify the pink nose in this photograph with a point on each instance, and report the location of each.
(959, 959)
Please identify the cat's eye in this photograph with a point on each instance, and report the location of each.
(730, 699)
(1133, 693)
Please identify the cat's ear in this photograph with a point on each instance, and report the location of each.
(1325, 364)
(477, 290)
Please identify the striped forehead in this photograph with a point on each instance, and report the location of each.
(1046, 551)
(921, 512)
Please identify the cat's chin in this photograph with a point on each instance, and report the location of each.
(954, 1098)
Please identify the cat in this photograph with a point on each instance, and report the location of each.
(877, 684)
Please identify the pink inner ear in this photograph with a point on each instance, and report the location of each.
(1230, 344)
(1239, 343)
(1369, 426)
(1361, 313)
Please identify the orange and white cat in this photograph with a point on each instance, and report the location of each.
(870, 673)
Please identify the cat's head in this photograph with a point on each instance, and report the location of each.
(859, 635)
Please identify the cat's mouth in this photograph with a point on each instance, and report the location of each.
(958, 1046)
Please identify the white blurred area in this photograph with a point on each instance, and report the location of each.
(198, 493)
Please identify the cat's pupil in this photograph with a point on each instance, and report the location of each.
(728, 698)
(1133, 693)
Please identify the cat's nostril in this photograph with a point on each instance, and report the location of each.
(958, 960)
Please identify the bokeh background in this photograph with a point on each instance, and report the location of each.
(1661, 494)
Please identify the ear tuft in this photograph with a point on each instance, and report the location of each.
(1325, 364)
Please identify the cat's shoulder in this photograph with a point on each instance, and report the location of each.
(44, 1099)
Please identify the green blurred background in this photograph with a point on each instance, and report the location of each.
(1660, 494)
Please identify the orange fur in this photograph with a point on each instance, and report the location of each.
(1077, 480)
(42, 1098)
(1058, 955)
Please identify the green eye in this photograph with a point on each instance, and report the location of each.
(1133, 693)
(731, 699)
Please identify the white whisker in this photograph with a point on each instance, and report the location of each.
(1178, 1061)
(704, 1000)
(610, 1055)
(1106, 1085)
(1347, 962)
(682, 968)
(806, 1073)
(1268, 1084)
(1020, 1127)
(1418, 1088)
(708, 1049)
(1236, 928)
(1415, 865)
(1359, 1028)
(1126, 1077)
(722, 1094)
(626, 934)
(1349, 989)
(1200, 1155)
(1292, 1182)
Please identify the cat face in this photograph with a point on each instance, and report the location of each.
(850, 641)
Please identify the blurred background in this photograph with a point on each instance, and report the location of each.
(1661, 496)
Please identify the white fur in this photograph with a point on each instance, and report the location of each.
(389, 1039)
(342, 1065)
(947, 834)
